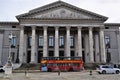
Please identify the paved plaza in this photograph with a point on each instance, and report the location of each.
(84, 75)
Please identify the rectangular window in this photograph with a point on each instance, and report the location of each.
(13, 41)
(61, 41)
(107, 41)
(29, 41)
(40, 45)
(72, 41)
(51, 41)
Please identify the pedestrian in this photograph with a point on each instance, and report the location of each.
(58, 72)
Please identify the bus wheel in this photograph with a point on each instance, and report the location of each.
(49, 70)
(71, 69)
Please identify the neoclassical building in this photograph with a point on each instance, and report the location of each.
(60, 29)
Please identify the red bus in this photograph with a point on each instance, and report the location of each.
(61, 64)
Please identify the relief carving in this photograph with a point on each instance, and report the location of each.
(62, 13)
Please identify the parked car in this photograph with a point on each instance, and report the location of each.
(103, 69)
(2, 69)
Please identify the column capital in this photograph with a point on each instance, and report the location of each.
(45, 27)
(79, 27)
(90, 28)
(117, 32)
(33, 27)
(68, 27)
(21, 27)
(57, 27)
(101, 28)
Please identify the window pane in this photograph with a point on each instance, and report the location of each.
(61, 41)
(71, 41)
(13, 41)
(107, 41)
(51, 41)
(40, 40)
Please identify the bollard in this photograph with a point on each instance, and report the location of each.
(59, 73)
(25, 72)
(90, 72)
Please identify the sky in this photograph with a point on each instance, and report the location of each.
(109, 8)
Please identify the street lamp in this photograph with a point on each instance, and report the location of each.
(17, 59)
(10, 38)
(108, 54)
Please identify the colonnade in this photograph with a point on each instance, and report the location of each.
(99, 48)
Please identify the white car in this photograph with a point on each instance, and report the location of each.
(103, 69)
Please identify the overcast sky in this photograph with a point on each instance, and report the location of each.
(109, 8)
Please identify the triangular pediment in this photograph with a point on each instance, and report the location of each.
(61, 10)
(62, 13)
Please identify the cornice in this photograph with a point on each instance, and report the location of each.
(9, 23)
(112, 24)
(30, 18)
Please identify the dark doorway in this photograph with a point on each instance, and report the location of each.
(72, 54)
(28, 56)
(40, 55)
(83, 56)
(61, 55)
(51, 53)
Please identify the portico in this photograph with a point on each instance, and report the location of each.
(55, 41)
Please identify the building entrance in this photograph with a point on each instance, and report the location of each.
(28, 56)
(40, 55)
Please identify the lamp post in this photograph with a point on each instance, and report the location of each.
(17, 59)
(108, 54)
(10, 38)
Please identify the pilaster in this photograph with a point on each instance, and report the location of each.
(118, 41)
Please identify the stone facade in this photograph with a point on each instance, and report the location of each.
(60, 29)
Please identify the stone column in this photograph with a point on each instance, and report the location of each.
(33, 52)
(97, 52)
(21, 45)
(79, 42)
(25, 49)
(45, 47)
(118, 41)
(56, 41)
(102, 46)
(76, 44)
(91, 45)
(1, 45)
(67, 52)
(87, 58)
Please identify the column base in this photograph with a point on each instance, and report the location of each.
(33, 62)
